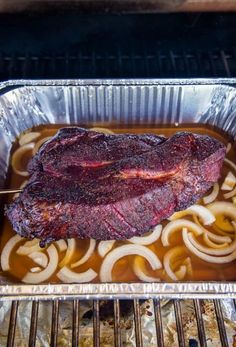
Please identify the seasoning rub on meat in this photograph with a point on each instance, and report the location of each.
(86, 184)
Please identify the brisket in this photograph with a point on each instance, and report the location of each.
(89, 185)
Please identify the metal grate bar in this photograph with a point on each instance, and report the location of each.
(33, 323)
(179, 323)
(12, 324)
(54, 328)
(137, 322)
(234, 300)
(173, 64)
(75, 324)
(200, 324)
(96, 324)
(117, 332)
(158, 321)
(225, 62)
(220, 322)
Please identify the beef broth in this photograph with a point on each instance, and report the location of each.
(123, 269)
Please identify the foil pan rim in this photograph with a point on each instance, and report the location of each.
(118, 290)
(117, 81)
(179, 290)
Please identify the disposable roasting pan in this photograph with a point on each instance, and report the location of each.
(24, 104)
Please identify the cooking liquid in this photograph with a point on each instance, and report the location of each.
(123, 269)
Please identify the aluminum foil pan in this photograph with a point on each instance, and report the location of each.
(24, 104)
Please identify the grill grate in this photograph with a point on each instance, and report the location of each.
(219, 63)
(74, 330)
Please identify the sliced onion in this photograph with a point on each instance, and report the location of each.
(212, 236)
(213, 195)
(45, 274)
(122, 251)
(230, 194)
(40, 143)
(87, 255)
(17, 156)
(28, 137)
(5, 255)
(25, 250)
(212, 244)
(181, 273)
(39, 258)
(142, 276)
(62, 245)
(68, 276)
(189, 267)
(212, 251)
(102, 130)
(228, 148)
(230, 163)
(104, 247)
(206, 216)
(149, 239)
(35, 269)
(223, 208)
(206, 257)
(177, 251)
(31, 243)
(229, 182)
(69, 252)
(176, 225)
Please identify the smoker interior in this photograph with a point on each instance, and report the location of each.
(99, 46)
(117, 46)
(53, 332)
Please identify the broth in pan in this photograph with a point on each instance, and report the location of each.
(198, 244)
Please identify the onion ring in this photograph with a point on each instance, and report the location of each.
(28, 137)
(26, 249)
(175, 225)
(227, 209)
(40, 143)
(228, 148)
(213, 195)
(137, 267)
(104, 247)
(16, 158)
(230, 163)
(5, 255)
(230, 194)
(206, 216)
(68, 276)
(87, 255)
(212, 251)
(102, 130)
(173, 252)
(38, 277)
(39, 258)
(212, 244)
(229, 182)
(62, 245)
(148, 239)
(203, 256)
(122, 251)
(69, 252)
(212, 236)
